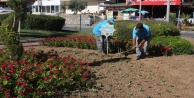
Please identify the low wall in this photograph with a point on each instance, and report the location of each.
(75, 19)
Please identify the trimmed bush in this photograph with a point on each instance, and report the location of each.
(43, 22)
(168, 45)
(40, 22)
(158, 28)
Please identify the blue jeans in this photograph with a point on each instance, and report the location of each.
(142, 51)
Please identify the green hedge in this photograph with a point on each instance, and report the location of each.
(158, 28)
(43, 22)
(40, 22)
(168, 45)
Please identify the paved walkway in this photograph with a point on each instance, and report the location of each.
(24, 44)
(77, 28)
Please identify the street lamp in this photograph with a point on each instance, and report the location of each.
(140, 4)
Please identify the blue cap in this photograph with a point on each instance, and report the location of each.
(112, 20)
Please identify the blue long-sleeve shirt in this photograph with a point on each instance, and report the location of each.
(96, 30)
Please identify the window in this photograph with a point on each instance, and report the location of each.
(121, 1)
(52, 9)
(43, 9)
(48, 9)
(57, 8)
(36, 8)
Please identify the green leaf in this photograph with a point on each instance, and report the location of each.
(5, 82)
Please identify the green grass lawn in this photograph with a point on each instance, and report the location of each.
(31, 34)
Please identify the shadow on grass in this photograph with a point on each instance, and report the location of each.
(113, 60)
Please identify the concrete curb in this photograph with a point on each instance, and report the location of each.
(28, 41)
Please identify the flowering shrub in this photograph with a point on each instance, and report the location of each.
(41, 74)
(119, 45)
(85, 42)
(82, 42)
(168, 45)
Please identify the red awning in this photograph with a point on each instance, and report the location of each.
(152, 2)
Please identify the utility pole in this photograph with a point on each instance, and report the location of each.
(179, 16)
(140, 4)
(168, 11)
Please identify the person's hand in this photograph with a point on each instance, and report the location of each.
(133, 47)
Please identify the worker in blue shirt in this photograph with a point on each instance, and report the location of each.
(141, 37)
(96, 31)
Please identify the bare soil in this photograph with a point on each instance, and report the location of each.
(125, 77)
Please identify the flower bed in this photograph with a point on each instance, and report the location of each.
(85, 42)
(82, 42)
(41, 74)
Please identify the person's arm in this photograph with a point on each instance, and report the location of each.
(142, 42)
(134, 39)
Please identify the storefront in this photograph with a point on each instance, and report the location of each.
(156, 8)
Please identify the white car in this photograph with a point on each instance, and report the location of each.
(5, 10)
(1, 10)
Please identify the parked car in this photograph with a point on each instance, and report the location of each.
(2, 10)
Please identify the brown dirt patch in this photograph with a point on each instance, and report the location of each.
(119, 77)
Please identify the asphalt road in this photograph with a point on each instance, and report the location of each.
(189, 34)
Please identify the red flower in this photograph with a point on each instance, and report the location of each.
(18, 83)
(84, 78)
(6, 77)
(22, 93)
(3, 65)
(7, 93)
(87, 64)
(64, 62)
(86, 73)
(45, 79)
(63, 69)
(67, 67)
(24, 84)
(51, 76)
(51, 66)
(38, 92)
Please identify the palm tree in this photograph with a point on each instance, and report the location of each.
(185, 19)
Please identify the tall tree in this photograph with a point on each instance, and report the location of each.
(64, 7)
(9, 28)
(76, 5)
